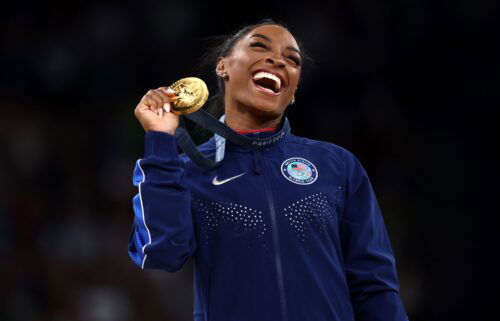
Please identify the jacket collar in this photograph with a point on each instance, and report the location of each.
(258, 140)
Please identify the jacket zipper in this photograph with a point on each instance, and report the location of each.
(275, 233)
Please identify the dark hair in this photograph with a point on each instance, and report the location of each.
(221, 46)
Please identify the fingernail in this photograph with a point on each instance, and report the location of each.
(166, 107)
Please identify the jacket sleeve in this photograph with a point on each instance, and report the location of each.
(368, 257)
(162, 235)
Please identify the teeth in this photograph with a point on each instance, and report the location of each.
(262, 74)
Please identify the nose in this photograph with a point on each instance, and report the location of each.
(276, 62)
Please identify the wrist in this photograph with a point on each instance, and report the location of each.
(161, 130)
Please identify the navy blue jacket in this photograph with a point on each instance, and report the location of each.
(289, 232)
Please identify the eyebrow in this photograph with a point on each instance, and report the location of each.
(258, 35)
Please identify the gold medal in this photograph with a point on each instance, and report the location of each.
(191, 94)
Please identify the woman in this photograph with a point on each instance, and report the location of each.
(291, 231)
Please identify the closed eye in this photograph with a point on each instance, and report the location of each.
(261, 45)
(258, 44)
(295, 60)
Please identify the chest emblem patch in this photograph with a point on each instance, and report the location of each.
(299, 171)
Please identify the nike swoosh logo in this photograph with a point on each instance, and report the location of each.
(217, 182)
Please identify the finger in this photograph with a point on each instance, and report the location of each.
(164, 93)
(142, 106)
(164, 99)
(149, 103)
(157, 99)
(161, 95)
(167, 90)
(167, 107)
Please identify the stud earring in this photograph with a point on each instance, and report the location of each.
(221, 74)
(292, 101)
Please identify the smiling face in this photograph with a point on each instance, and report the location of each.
(263, 71)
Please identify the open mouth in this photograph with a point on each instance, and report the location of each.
(268, 82)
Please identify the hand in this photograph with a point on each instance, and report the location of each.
(154, 111)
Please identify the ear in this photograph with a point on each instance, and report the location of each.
(221, 66)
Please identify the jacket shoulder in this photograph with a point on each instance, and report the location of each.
(340, 155)
(338, 152)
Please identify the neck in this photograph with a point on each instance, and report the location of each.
(243, 120)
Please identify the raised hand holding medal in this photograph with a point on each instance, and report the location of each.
(159, 109)
(163, 109)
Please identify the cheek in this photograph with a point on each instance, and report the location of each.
(238, 66)
(239, 79)
(294, 79)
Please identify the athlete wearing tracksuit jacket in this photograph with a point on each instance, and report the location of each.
(290, 231)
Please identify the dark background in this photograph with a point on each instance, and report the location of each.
(411, 87)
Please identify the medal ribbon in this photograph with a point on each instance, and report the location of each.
(223, 133)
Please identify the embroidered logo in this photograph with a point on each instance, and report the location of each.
(299, 171)
(217, 182)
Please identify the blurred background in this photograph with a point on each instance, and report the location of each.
(410, 87)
